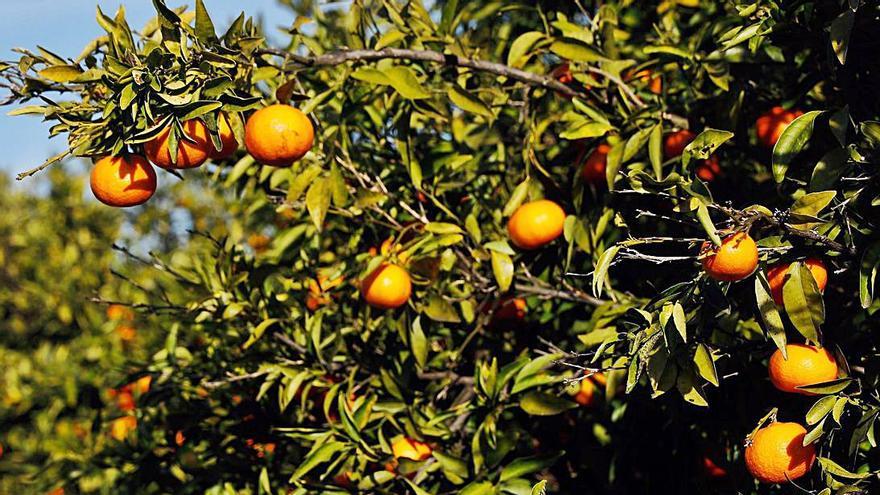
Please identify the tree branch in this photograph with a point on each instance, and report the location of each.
(751, 216)
(340, 57)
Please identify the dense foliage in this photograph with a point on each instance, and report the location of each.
(434, 125)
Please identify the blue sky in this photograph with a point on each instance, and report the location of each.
(64, 27)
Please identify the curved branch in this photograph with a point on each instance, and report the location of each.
(340, 57)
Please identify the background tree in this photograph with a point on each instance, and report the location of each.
(530, 241)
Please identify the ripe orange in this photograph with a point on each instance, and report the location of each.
(586, 391)
(125, 401)
(777, 454)
(227, 138)
(388, 247)
(409, 448)
(120, 312)
(709, 169)
(278, 135)
(562, 73)
(122, 427)
(126, 333)
(387, 287)
(317, 296)
(735, 260)
(190, 154)
(593, 171)
(536, 224)
(676, 142)
(713, 470)
(123, 182)
(806, 365)
(770, 125)
(510, 309)
(777, 275)
(179, 438)
(654, 82)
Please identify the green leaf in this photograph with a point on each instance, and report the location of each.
(791, 142)
(820, 409)
(61, 73)
(577, 50)
(704, 145)
(322, 452)
(540, 488)
(814, 434)
(829, 387)
(439, 309)
(868, 267)
(812, 204)
(468, 102)
(803, 301)
(829, 169)
(544, 404)
(707, 224)
(527, 465)
(521, 46)
(769, 312)
(841, 28)
(389, 38)
(418, 342)
(860, 432)
(613, 162)
(502, 268)
(318, 201)
(204, 25)
(404, 80)
(705, 364)
(517, 197)
(602, 267)
(442, 228)
(259, 330)
(835, 469)
(478, 488)
(371, 75)
(587, 131)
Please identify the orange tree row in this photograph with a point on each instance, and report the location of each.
(507, 205)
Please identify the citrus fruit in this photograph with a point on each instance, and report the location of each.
(735, 259)
(192, 151)
(119, 312)
(676, 142)
(713, 470)
(227, 138)
(652, 81)
(536, 224)
(709, 169)
(593, 171)
(586, 391)
(776, 453)
(510, 309)
(408, 448)
(806, 365)
(778, 274)
(770, 125)
(123, 182)
(387, 287)
(278, 135)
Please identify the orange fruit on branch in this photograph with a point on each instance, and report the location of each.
(654, 82)
(769, 126)
(593, 171)
(778, 274)
(123, 182)
(776, 453)
(709, 169)
(192, 150)
(510, 309)
(122, 427)
(806, 365)
(387, 287)
(586, 392)
(676, 142)
(120, 312)
(317, 296)
(279, 135)
(735, 259)
(536, 224)
(409, 448)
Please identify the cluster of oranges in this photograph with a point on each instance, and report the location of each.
(125, 398)
(776, 453)
(277, 135)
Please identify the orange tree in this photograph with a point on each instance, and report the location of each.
(482, 244)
